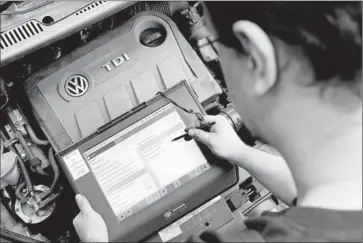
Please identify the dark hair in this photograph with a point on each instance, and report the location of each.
(330, 33)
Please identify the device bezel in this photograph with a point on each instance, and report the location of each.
(221, 176)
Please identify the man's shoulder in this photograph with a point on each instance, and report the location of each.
(296, 224)
(309, 224)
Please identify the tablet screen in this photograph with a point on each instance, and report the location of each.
(140, 164)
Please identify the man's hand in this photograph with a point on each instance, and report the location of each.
(222, 140)
(89, 225)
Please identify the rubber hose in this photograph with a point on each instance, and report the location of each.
(55, 169)
(34, 137)
(38, 153)
(25, 145)
(29, 152)
(167, 8)
(4, 93)
(18, 193)
(49, 200)
(40, 171)
(20, 163)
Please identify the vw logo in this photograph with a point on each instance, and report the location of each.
(76, 86)
(167, 215)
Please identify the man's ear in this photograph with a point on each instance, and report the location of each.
(261, 53)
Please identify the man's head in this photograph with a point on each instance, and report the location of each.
(286, 61)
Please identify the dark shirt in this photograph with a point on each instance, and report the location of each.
(297, 224)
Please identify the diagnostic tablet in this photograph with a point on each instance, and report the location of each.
(136, 177)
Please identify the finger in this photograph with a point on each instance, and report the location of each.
(83, 204)
(211, 119)
(208, 119)
(209, 236)
(194, 238)
(200, 135)
(196, 123)
(76, 219)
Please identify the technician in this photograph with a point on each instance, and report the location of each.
(294, 72)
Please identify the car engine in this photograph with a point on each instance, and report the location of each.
(67, 68)
(111, 75)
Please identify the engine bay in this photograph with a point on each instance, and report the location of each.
(113, 74)
(68, 69)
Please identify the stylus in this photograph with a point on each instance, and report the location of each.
(185, 136)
